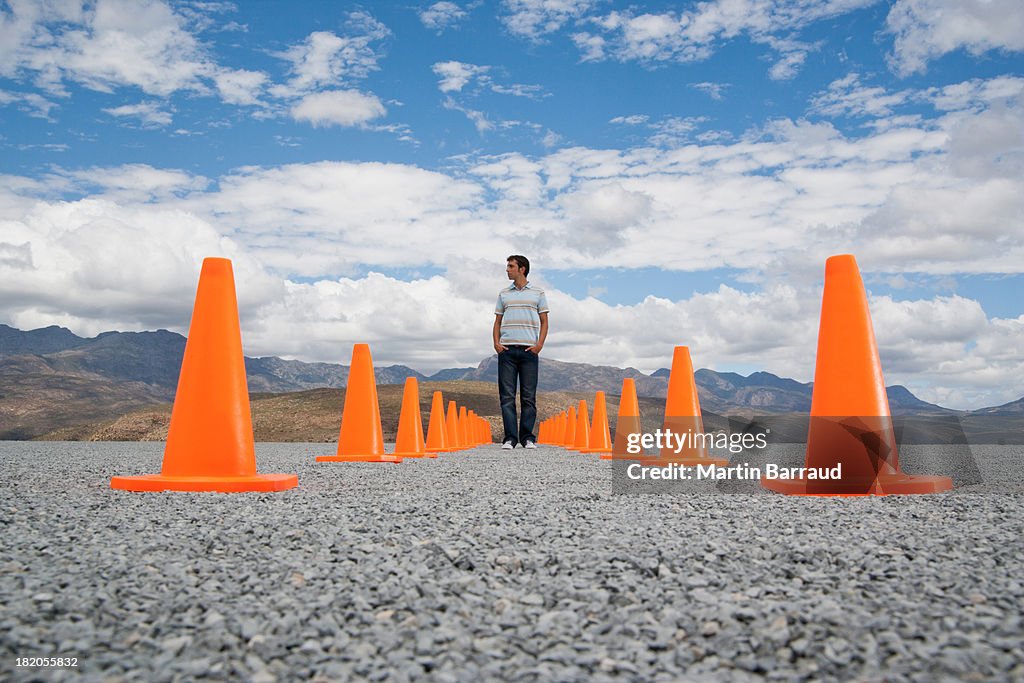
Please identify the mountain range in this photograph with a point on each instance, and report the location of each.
(51, 378)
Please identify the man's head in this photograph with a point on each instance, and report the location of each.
(517, 264)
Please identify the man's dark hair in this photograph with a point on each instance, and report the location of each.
(521, 262)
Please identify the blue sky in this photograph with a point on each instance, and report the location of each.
(677, 171)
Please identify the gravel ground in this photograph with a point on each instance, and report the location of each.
(490, 565)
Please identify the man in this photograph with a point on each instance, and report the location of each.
(520, 328)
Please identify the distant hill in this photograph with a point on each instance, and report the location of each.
(51, 379)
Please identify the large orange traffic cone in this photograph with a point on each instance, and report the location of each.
(361, 438)
(210, 441)
(437, 433)
(409, 442)
(582, 437)
(683, 417)
(851, 433)
(600, 438)
(627, 423)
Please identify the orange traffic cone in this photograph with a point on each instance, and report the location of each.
(558, 434)
(210, 441)
(437, 434)
(683, 417)
(409, 442)
(627, 422)
(600, 438)
(851, 433)
(361, 438)
(452, 426)
(582, 437)
(570, 429)
(464, 427)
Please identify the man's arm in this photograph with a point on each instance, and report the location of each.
(496, 333)
(543, 333)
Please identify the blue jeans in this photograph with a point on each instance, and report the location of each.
(516, 363)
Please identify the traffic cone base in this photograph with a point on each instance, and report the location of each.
(349, 457)
(159, 482)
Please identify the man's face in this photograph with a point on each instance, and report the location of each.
(513, 269)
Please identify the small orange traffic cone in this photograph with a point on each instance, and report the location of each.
(558, 434)
(464, 428)
(452, 426)
(570, 429)
(582, 436)
(437, 434)
(600, 438)
(627, 422)
(361, 438)
(683, 416)
(851, 432)
(210, 445)
(409, 442)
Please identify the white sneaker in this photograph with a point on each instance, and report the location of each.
(507, 446)
(531, 445)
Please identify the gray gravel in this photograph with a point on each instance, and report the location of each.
(490, 565)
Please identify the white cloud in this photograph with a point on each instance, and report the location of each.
(107, 45)
(977, 94)
(533, 19)
(695, 35)
(31, 103)
(713, 90)
(98, 265)
(671, 131)
(133, 183)
(788, 65)
(456, 75)
(240, 86)
(326, 59)
(338, 107)
(847, 96)
(442, 15)
(591, 47)
(149, 114)
(631, 120)
(478, 118)
(928, 29)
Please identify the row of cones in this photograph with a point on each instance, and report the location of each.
(362, 438)
(210, 444)
(850, 427)
(574, 430)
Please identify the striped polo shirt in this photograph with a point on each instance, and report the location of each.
(520, 311)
